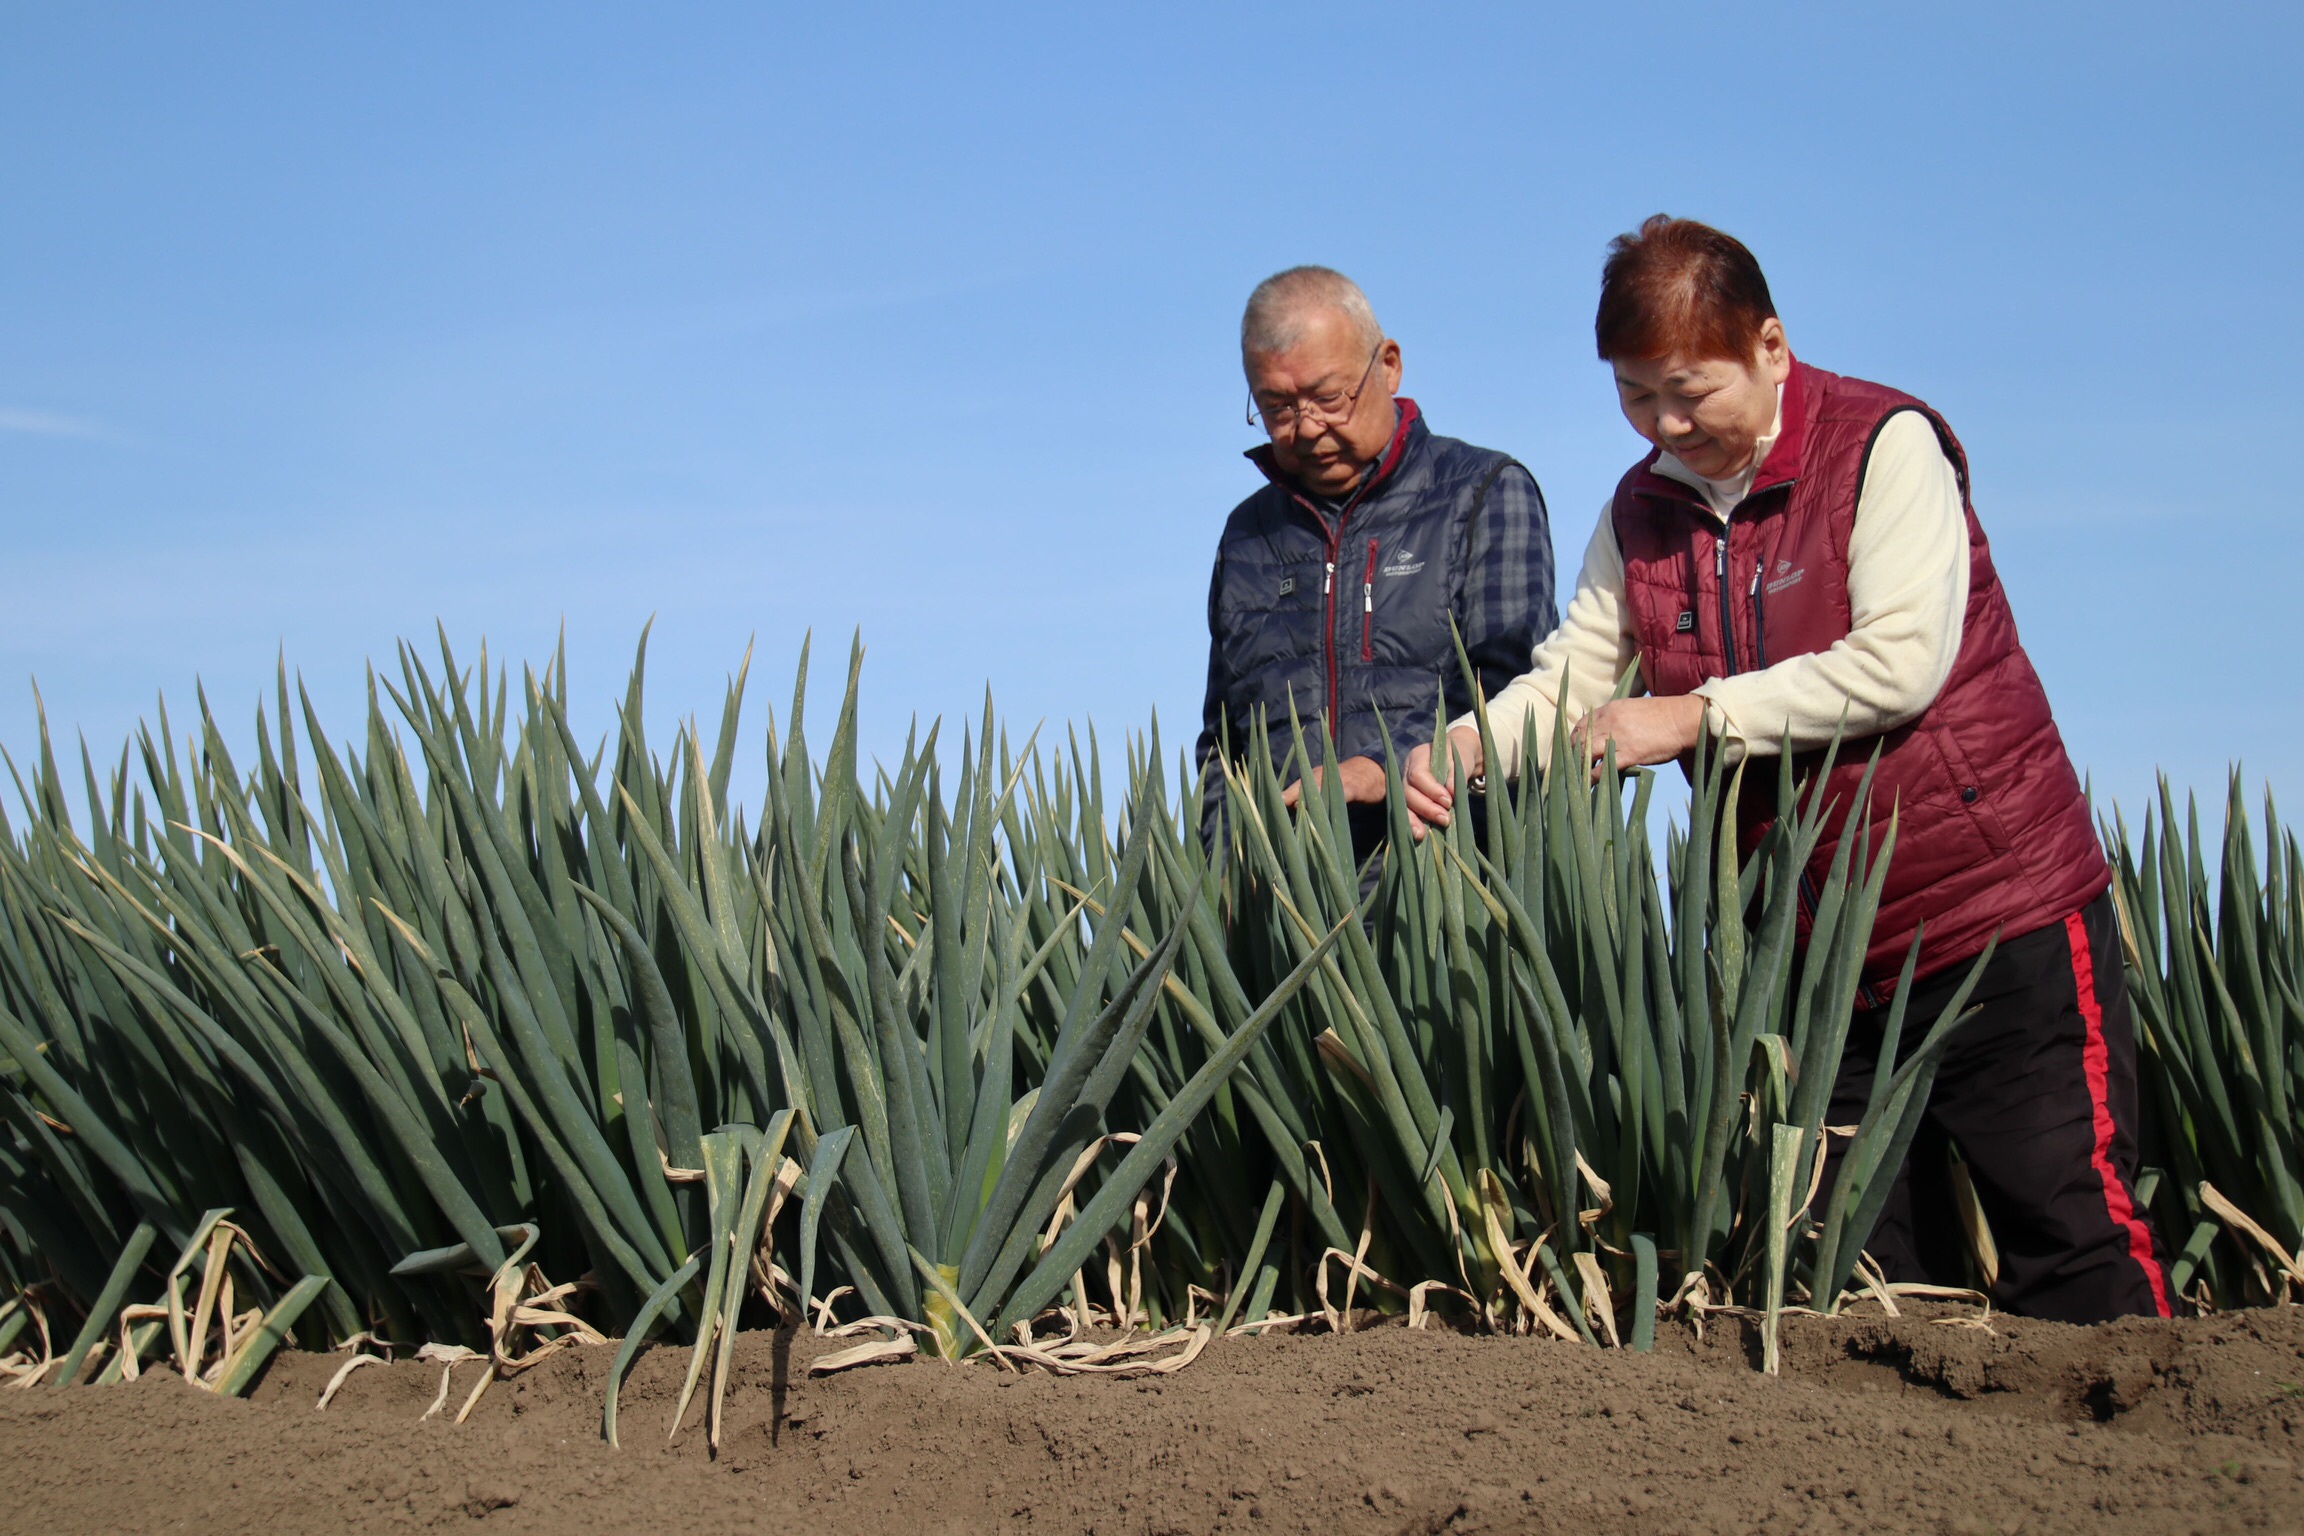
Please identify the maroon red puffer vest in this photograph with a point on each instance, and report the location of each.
(1993, 833)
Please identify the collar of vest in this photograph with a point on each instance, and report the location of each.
(1781, 468)
(1405, 433)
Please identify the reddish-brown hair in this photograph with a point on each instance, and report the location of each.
(1679, 287)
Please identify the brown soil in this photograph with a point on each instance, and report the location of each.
(1875, 1426)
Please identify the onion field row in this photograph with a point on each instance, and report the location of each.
(459, 1034)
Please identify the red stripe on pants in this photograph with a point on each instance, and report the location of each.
(2097, 1059)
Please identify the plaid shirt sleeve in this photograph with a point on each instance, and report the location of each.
(1505, 606)
(1212, 722)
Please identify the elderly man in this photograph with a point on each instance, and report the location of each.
(1338, 582)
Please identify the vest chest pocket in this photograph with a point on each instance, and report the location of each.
(1398, 589)
(1269, 614)
(1677, 628)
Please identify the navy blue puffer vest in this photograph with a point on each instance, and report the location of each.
(1347, 612)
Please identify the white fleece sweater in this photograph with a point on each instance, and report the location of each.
(1907, 592)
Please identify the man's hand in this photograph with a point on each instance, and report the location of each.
(1430, 775)
(1644, 731)
(1362, 778)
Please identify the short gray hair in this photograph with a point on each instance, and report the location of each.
(1277, 310)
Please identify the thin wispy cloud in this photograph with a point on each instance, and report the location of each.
(50, 424)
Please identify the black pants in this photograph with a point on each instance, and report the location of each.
(2038, 1092)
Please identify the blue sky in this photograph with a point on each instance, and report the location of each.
(321, 323)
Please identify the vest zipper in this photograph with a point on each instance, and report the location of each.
(1368, 607)
(1759, 617)
(1328, 627)
(1727, 608)
(1334, 534)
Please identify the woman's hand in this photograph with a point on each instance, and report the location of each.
(1431, 773)
(1643, 731)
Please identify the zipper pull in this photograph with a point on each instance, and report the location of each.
(1759, 615)
(1727, 617)
(1328, 582)
(1368, 606)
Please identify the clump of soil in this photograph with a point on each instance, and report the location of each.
(1876, 1426)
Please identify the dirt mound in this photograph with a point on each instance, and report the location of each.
(1899, 1425)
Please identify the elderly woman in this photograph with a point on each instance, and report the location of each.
(1796, 556)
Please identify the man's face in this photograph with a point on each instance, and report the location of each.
(1709, 413)
(1327, 450)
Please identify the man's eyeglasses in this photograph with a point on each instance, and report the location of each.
(1314, 410)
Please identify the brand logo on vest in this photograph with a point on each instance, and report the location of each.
(1401, 565)
(1686, 623)
(1781, 580)
(1287, 585)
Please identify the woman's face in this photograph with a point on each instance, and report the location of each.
(1709, 413)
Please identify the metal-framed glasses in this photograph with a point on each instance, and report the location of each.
(1314, 410)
